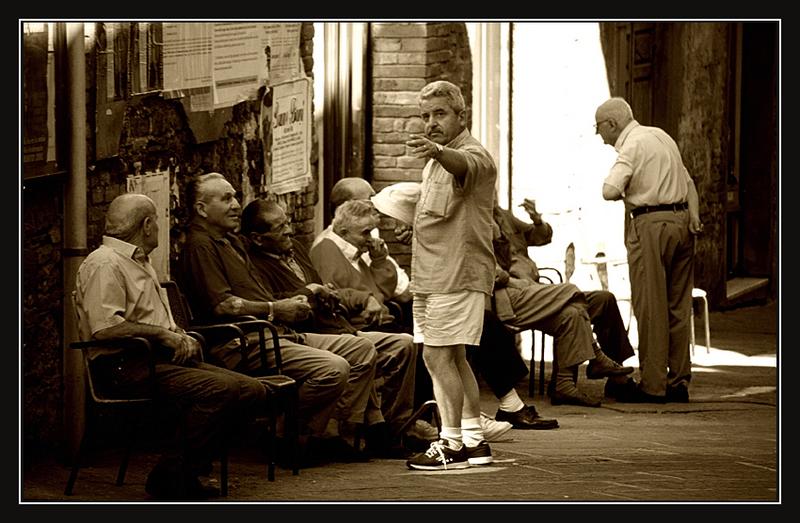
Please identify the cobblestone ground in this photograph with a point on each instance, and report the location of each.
(721, 447)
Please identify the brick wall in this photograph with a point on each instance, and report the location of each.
(405, 57)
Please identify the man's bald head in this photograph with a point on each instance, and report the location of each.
(351, 188)
(126, 213)
(617, 109)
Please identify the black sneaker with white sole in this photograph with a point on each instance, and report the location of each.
(440, 456)
(480, 454)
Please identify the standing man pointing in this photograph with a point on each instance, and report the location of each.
(452, 271)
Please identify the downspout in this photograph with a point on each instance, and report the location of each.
(74, 234)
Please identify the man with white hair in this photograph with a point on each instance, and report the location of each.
(649, 176)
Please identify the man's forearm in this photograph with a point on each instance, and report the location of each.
(236, 306)
(125, 329)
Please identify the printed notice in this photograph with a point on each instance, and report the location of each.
(187, 55)
(239, 62)
(282, 46)
(291, 136)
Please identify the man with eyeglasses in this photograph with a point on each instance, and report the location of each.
(284, 266)
(650, 177)
(335, 372)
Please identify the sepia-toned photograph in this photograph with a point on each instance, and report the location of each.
(372, 262)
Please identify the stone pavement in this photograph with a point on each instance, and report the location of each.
(720, 448)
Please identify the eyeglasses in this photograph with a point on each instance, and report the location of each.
(597, 125)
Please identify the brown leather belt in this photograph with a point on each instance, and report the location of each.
(663, 207)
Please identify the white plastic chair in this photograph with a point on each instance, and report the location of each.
(700, 294)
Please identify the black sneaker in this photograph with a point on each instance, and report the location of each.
(440, 456)
(480, 454)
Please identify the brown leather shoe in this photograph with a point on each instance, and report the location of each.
(526, 418)
(603, 366)
(571, 396)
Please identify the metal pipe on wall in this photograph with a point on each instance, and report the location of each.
(75, 233)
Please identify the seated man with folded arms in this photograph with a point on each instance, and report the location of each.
(284, 266)
(335, 372)
(118, 295)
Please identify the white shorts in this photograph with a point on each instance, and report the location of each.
(448, 319)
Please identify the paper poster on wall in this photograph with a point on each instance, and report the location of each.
(187, 55)
(239, 62)
(291, 136)
(156, 186)
(281, 44)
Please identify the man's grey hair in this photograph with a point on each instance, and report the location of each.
(351, 214)
(447, 90)
(195, 192)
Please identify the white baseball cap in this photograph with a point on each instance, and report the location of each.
(398, 200)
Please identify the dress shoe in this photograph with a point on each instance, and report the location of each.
(678, 394)
(380, 443)
(526, 418)
(602, 366)
(637, 395)
(171, 479)
(572, 396)
(613, 389)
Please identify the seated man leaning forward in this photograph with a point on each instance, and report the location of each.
(395, 288)
(338, 260)
(118, 295)
(284, 266)
(335, 372)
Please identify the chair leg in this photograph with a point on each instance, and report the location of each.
(131, 430)
(223, 472)
(532, 370)
(272, 447)
(541, 365)
(76, 465)
(705, 322)
(691, 328)
(293, 424)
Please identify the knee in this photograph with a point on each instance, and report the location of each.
(605, 299)
(252, 390)
(367, 351)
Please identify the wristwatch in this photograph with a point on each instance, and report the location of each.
(271, 315)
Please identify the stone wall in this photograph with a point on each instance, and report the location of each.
(155, 135)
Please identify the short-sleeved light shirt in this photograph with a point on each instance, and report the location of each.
(649, 169)
(112, 287)
(451, 250)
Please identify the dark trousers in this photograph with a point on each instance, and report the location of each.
(500, 363)
(608, 326)
(497, 359)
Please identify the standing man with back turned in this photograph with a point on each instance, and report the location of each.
(650, 177)
(452, 271)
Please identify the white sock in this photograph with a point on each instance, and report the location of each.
(453, 437)
(511, 402)
(472, 431)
